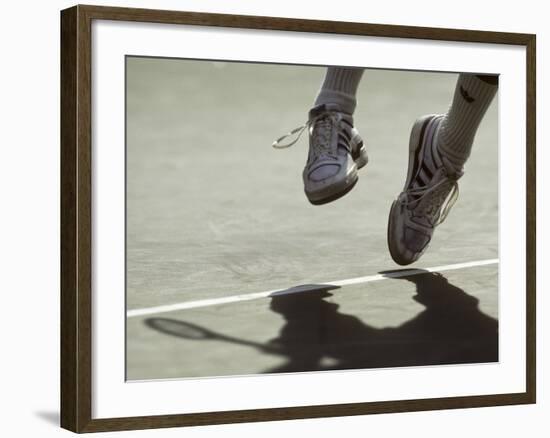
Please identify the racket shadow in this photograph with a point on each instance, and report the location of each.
(190, 331)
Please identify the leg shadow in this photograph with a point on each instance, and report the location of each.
(451, 330)
(455, 329)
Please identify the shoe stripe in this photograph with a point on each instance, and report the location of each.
(344, 142)
(423, 162)
(347, 122)
(346, 133)
(425, 175)
(435, 152)
(417, 165)
(427, 159)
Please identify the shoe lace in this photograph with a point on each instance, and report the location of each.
(434, 202)
(323, 125)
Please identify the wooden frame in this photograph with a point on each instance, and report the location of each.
(76, 312)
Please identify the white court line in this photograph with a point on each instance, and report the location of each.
(298, 289)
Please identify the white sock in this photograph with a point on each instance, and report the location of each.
(472, 97)
(340, 87)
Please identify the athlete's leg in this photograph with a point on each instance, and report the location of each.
(438, 148)
(473, 95)
(336, 150)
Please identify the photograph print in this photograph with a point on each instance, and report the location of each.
(297, 218)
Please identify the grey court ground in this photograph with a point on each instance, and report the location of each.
(214, 212)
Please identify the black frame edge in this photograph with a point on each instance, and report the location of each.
(68, 119)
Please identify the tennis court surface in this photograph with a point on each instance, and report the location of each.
(230, 271)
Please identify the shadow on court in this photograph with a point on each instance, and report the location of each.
(316, 336)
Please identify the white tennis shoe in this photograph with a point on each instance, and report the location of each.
(430, 191)
(336, 152)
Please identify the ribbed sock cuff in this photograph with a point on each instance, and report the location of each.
(456, 134)
(340, 87)
(347, 102)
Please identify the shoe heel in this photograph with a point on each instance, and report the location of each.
(417, 131)
(359, 151)
(362, 159)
